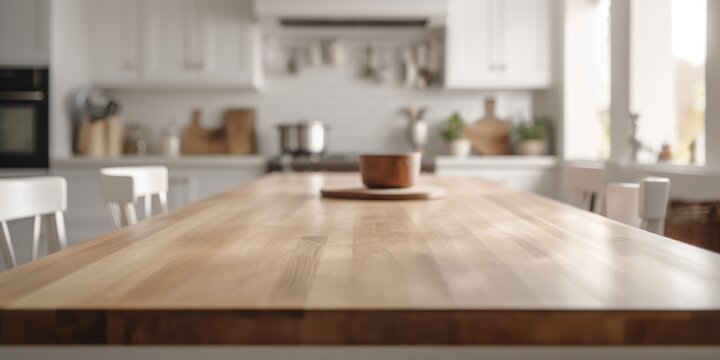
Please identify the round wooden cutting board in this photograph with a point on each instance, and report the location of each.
(418, 192)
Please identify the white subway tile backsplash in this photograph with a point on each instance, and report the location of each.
(363, 116)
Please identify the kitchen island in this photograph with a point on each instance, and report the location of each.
(271, 262)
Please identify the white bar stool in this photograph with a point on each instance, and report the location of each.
(643, 205)
(44, 199)
(587, 186)
(121, 187)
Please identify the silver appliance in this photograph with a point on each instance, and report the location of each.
(303, 138)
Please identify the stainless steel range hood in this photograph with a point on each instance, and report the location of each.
(352, 13)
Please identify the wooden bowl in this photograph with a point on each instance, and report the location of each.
(390, 171)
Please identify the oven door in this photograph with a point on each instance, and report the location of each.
(23, 129)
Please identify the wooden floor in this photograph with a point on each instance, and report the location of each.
(272, 262)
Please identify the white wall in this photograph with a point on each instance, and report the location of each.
(68, 69)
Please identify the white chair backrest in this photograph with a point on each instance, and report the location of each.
(622, 201)
(121, 187)
(38, 197)
(654, 200)
(642, 205)
(587, 186)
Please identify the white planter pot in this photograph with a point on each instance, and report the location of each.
(459, 147)
(532, 147)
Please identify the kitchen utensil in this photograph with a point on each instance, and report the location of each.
(293, 64)
(303, 138)
(333, 52)
(240, 131)
(410, 70)
(312, 137)
(370, 63)
(422, 59)
(490, 136)
(418, 192)
(383, 72)
(390, 171)
(288, 138)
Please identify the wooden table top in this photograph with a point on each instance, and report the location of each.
(271, 262)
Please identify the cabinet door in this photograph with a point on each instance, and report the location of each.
(169, 28)
(227, 40)
(24, 32)
(113, 40)
(523, 39)
(470, 44)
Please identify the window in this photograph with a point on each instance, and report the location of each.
(667, 67)
(587, 80)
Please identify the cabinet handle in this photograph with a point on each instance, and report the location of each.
(195, 65)
(129, 66)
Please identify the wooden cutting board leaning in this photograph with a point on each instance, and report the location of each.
(490, 135)
(236, 135)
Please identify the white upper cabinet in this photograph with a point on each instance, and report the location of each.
(226, 40)
(169, 36)
(113, 39)
(24, 32)
(185, 43)
(498, 44)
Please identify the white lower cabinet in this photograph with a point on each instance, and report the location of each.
(86, 216)
(533, 174)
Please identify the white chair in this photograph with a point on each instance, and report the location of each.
(44, 199)
(642, 205)
(121, 187)
(587, 184)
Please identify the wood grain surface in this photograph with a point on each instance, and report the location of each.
(272, 262)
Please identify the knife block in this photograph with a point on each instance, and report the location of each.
(100, 138)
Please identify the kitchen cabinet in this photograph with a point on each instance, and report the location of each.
(113, 40)
(168, 40)
(537, 174)
(186, 43)
(24, 33)
(498, 44)
(227, 49)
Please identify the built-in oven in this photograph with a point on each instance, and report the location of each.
(23, 118)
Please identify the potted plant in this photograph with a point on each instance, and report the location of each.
(533, 137)
(453, 133)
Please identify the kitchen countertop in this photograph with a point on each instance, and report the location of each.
(194, 161)
(498, 161)
(271, 262)
(331, 162)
